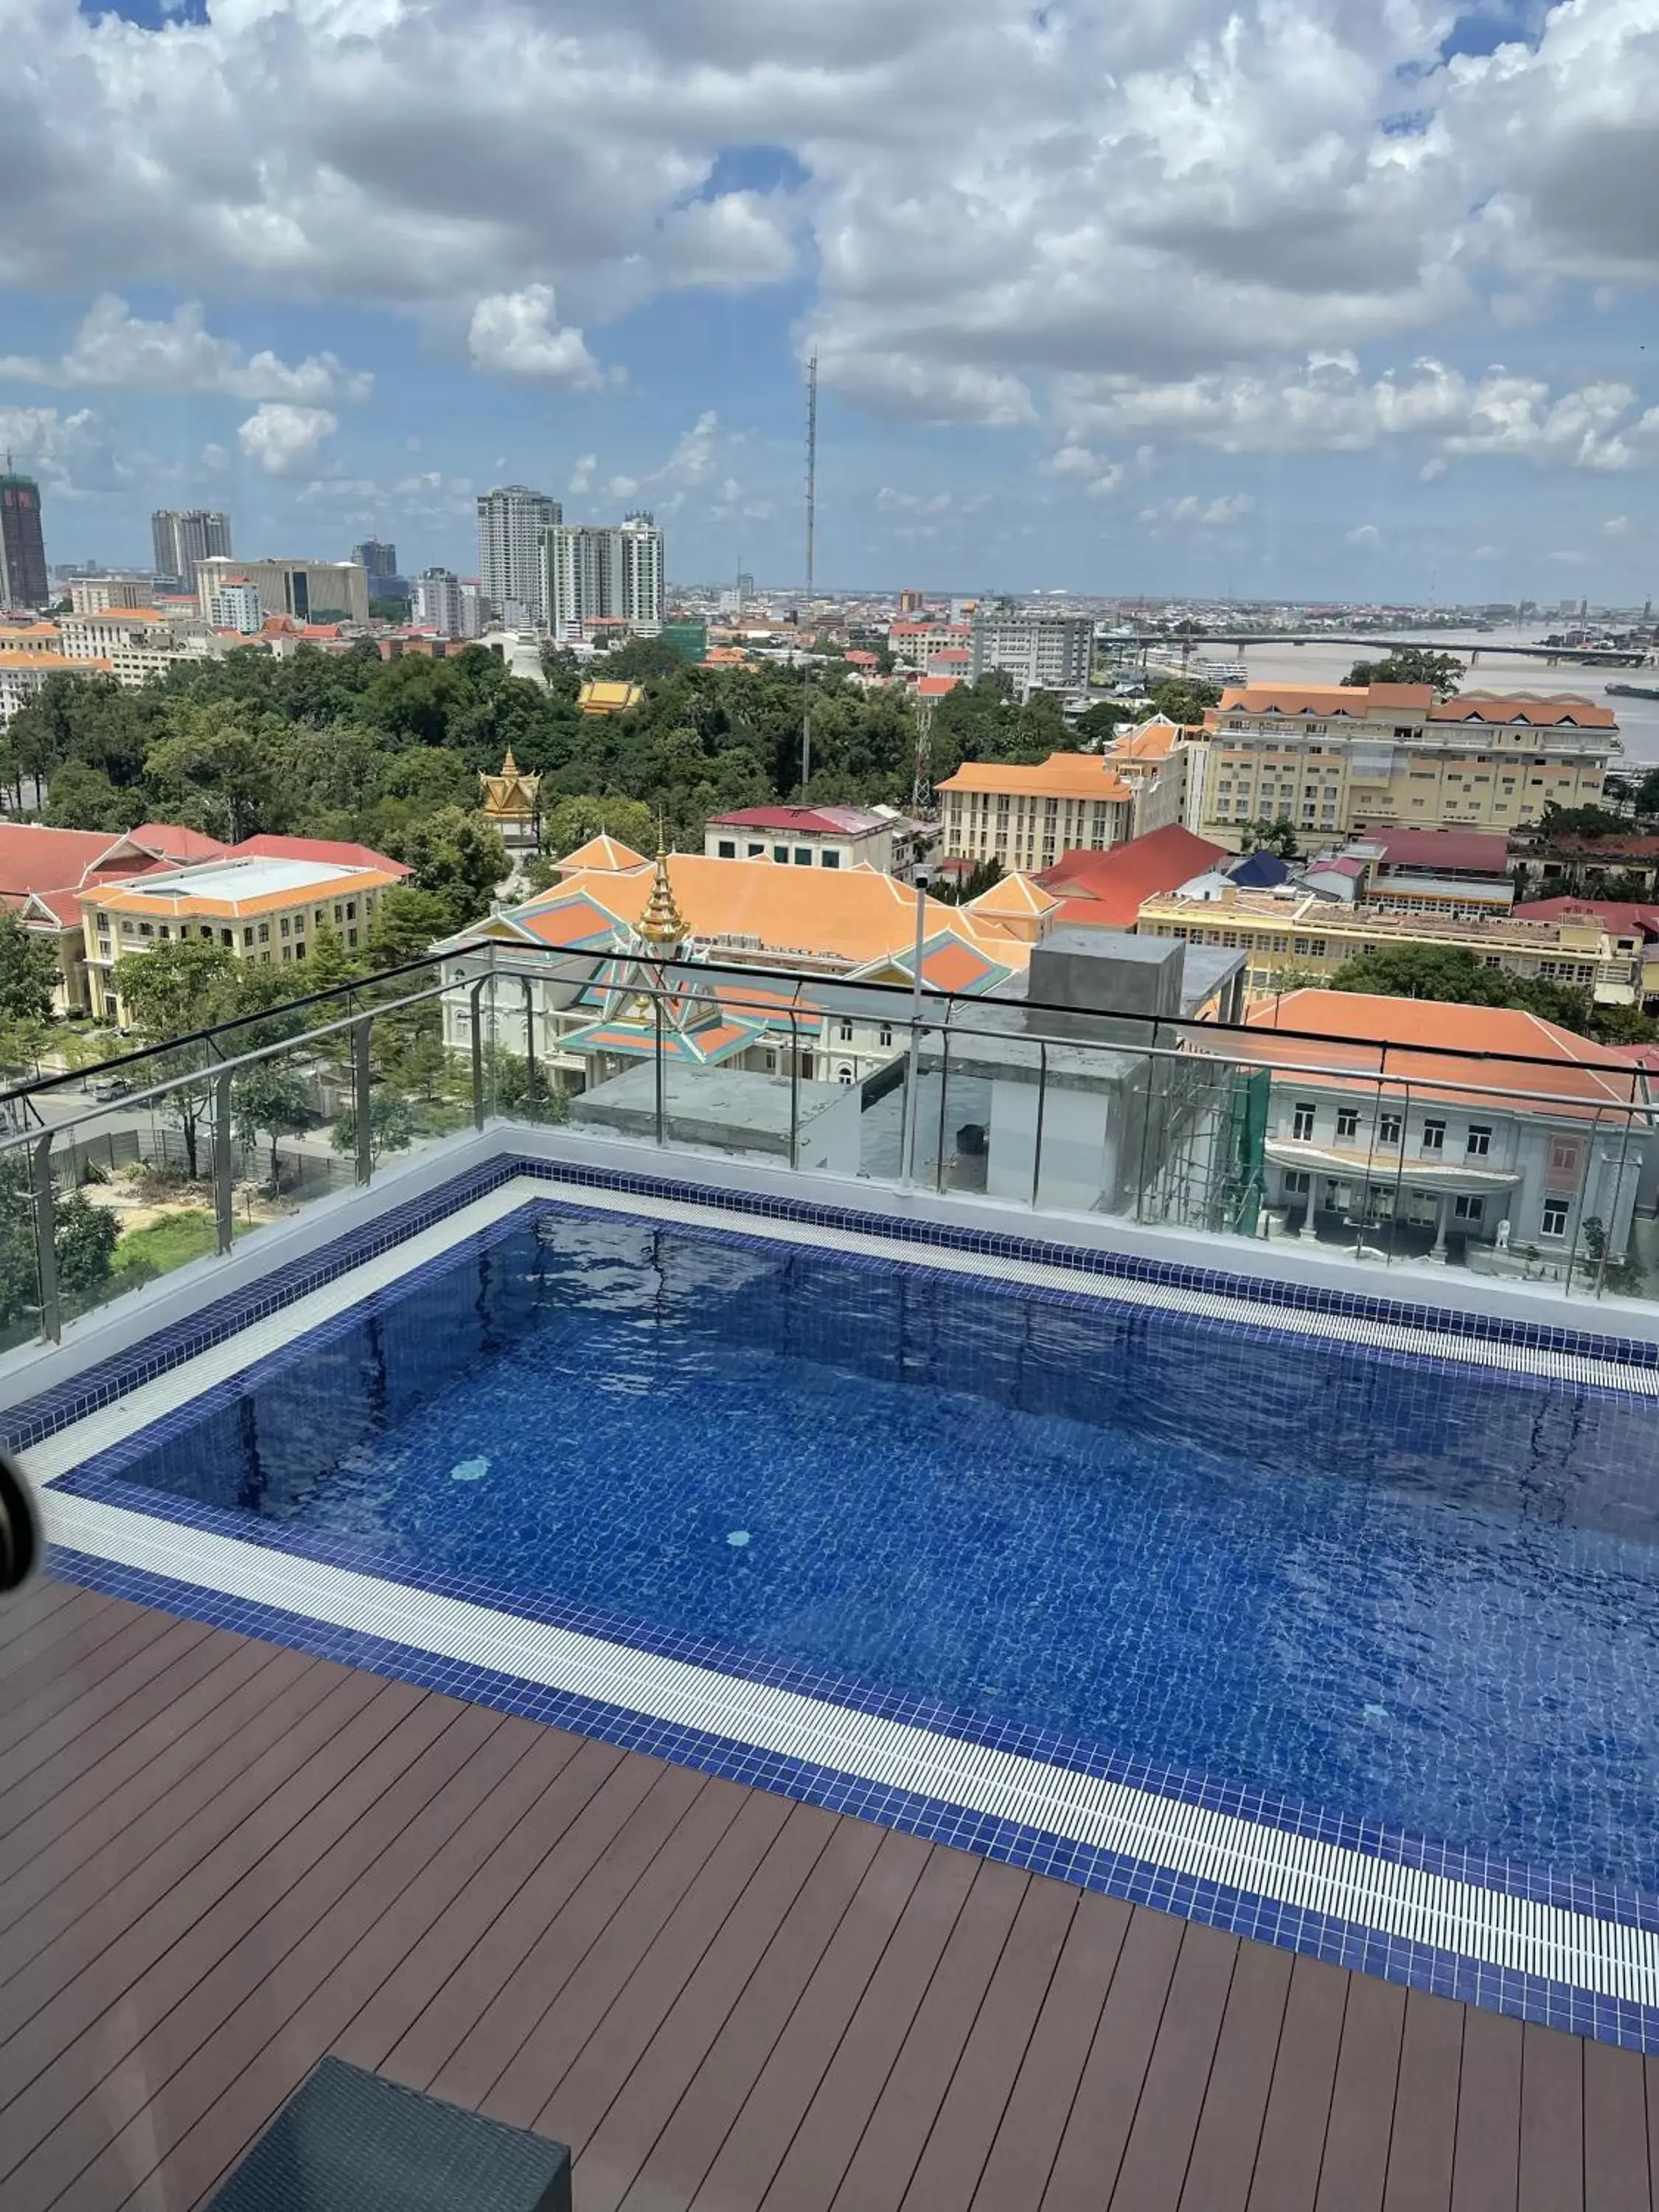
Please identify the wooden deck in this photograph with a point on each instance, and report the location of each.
(219, 1859)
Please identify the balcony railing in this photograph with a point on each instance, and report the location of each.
(183, 1150)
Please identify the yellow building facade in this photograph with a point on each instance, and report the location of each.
(1303, 940)
(1331, 760)
(1026, 817)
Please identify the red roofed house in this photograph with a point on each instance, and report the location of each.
(43, 872)
(1499, 1137)
(802, 838)
(1105, 890)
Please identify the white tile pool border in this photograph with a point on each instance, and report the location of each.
(1493, 1927)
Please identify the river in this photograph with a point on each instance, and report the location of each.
(1638, 719)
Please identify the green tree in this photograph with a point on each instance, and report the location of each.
(218, 769)
(272, 1099)
(458, 857)
(83, 1241)
(1099, 724)
(408, 924)
(28, 972)
(571, 822)
(1182, 699)
(1276, 836)
(1411, 664)
(329, 964)
(82, 797)
(1646, 795)
(181, 986)
(391, 1125)
(1425, 971)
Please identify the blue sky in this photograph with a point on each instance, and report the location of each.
(1113, 299)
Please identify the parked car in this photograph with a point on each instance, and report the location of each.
(111, 1086)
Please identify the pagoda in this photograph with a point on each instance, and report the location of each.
(512, 802)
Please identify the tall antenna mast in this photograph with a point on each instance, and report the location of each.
(811, 528)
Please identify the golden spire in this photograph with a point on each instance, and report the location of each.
(509, 766)
(661, 923)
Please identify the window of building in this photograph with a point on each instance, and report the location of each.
(1390, 1129)
(351, 912)
(1296, 1183)
(282, 927)
(264, 932)
(1302, 1123)
(145, 929)
(887, 1033)
(830, 859)
(299, 925)
(1434, 1136)
(780, 853)
(803, 856)
(757, 853)
(843, 1073)
(846, 1032)
(299, 952)
(1563, 1156)
(1347, 1123)
(1466, 1206)
(1479, 1144)
(248, 936)
(351, 937)
(1554, 1222)
(727, 849)
(227, 937)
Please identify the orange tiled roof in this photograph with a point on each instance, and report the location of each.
(1350, 702)
(857, 915)
(158, 906)
(604, 851)
(1016, 895)
(1545, 712)
(1423, 1038)
(1062, 775)
(47, 660)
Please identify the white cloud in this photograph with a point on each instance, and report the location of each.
(1617, 525)
(115, 346)
(1071, 460)
(1366, 534)
(1157, 193)
(582, 473)
(518, 334)
(1193, 516)
(286, 441)
(69, 452)
(889, 501)
(731, 244)
(1328, 404)
(1569, 558)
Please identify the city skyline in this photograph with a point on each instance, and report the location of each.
(1349, 304)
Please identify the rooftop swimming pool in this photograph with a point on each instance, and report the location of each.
(1411, 1592)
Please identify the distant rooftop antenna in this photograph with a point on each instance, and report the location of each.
(811, 529)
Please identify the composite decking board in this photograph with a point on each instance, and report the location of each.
(151, 2082)
(828, 2129)
(727, 2000)
(751, 1876)
(108, 1952)
(897, 2130)
(1154, 2168)
(1551, 2147)
(275, 1890)
(90, 1766)
(28, 1610)
(470, 2034)
(965, 2127)
(1016, 2174)
(1353, 2171)
(117, 1671)
(68, 1856)
(1486, 2157)
(597, 1955)
(70, 1670)
(1223, 2153)
(235, 2083)
(1293, 2128)
(676, 2165)
(1424, 2131)
(39, 1646)
(1090, 2154)
(789, 2076)
(797, 1891)
(620, 1897)
(1617, 2178)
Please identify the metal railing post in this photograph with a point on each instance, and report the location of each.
(657, 1062)
(45, 1247)
(1037, 1141)
(529, 1049)
(362, 1097)
(944, 1097)
(223, 1226)
(477, 997)
(794, 1088)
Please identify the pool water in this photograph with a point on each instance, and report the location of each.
(1417, 1594)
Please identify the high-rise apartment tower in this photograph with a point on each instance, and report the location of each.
(183, 536)
(511, 521)
(22, 550)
